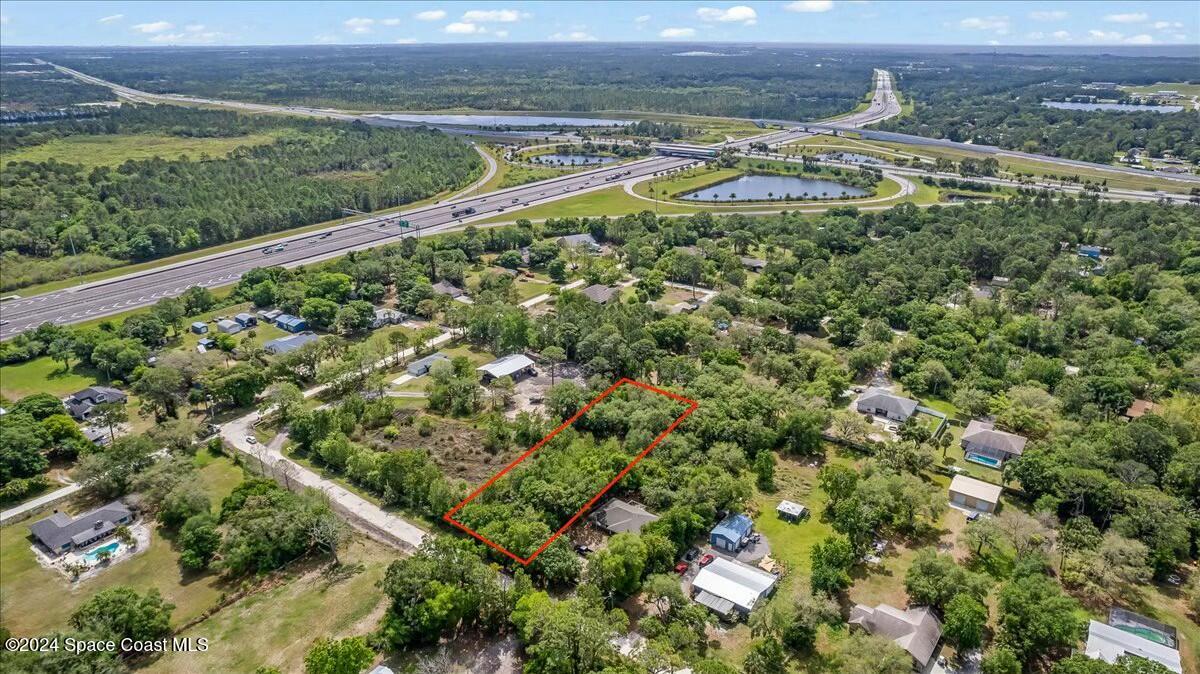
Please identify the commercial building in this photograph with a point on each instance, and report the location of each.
(516, 366)
(730, 588)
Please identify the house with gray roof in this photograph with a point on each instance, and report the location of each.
(754, 264)
(619, 517)
(229, 326)
(61, 533)
(585, 242)
(516, 366)
(916, 630)
(419, 368)
(883, 403)
(600, 294)
(984, 440)
(448, 289)
(80, 404)
(289, 343)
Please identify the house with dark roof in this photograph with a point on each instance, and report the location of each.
(289, 343)
(754, 264)
(619, 517)
(916, 630)
(732, 534)
(62, 533)
(882, 403)
(983, 443)
(246, 320)
(1140, 408)
(448, 289)
(80, 404)
(600, 294)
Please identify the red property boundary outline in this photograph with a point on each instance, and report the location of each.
(449, 516)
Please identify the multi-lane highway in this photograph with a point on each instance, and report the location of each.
(111, 296)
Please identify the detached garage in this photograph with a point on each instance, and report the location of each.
(967, 492)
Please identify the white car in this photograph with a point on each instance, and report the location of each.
(251, 440)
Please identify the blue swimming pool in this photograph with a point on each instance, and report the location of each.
(93, 556)
(983, 460)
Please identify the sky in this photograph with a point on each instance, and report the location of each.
(976, 23)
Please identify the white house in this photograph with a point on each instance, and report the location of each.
(968, 492)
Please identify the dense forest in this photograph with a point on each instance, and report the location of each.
(751, 81)
(1099, 505)
(996, 100)
(31, 87)
(141, 210)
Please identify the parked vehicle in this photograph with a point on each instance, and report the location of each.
(706, 560)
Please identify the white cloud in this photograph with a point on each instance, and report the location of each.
(501, 33)
(671, 33)
(405, 40)
(358, 25)
(1061, 35)
(464, 28)
(194, 27)
(493, 16)
(994, 23)
(1140, 38)
(1036, 35)
(1104, 36)
(1164, 25)
(112, 17)
(809, 6)
(1053, 15)
(573, 36)
(390, 22)
(431, 15)
(642, 19)
(190, 37)
(154, 27)
(736, 14)
(1131, 17)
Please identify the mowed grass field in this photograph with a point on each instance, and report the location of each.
(35, 599)
(91, 151)
(276, 627)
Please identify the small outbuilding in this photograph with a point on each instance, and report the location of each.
(246, 320)
(968, 492)
(290, 323)
(228, 326)
(199, 327)
(791, 511)
(517, 366)
(1139, 408)
(754, 264)
(420, 368)
(732, 534)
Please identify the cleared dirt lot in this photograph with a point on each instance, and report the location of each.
(456, 447)
(529, 393)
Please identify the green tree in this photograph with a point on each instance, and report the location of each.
(121, 613)
(831, 562)
(1000, 660)
(1035, 618)
(862, 653)
(766, 656)
(343, 656)
(965, 621)
(199, 541)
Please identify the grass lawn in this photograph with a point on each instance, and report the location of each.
(91, 151)
(45, 375)
(276, 627)
(36, 599)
